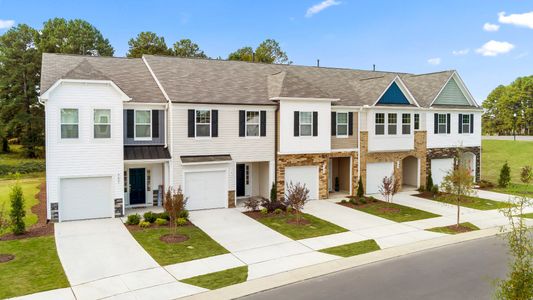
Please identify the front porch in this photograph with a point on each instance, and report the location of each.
(145, 183)
(253, 179)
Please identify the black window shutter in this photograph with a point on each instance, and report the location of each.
(296, 123)
(242, 122)
(263, 126)
(315, 123)
(448, 123)
(333, 123)
(436, 123)
(350, 123)
(191, 122)
(155, 124)
(130, 119)
(214, 123)
(460, 123)
(471, 123)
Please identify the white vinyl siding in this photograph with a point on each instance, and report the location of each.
(102, 123)
(69, 123)
(143, 124)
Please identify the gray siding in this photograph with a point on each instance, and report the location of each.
(452, 95)
(155, 141)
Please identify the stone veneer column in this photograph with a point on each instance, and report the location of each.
(231, 199)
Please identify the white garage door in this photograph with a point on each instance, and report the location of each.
(439, 168)
(206, 189)
(85, 198)
(375, 172)
(307, 175)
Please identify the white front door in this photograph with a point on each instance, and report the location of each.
(85, 198)
(375, 172)
(307, 175)
(206, 189)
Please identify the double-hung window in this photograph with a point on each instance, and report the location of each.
(102, 123)
(306, 123)
(203, 123)
(442, 123)
(406, 123)
(393, 119)
(252, 123)
(380, 124)
(69, 123)
(465, 123)
(417, 121)
(143, 125)
(342, 124)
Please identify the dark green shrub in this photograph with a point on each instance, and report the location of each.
(505, 176)
(344, 201)
(273, 192)
(360, 189)
(23, 168)
(164, 215)
(5, 145)
(429, 182)
(421, 188)
(133, 219)
(485, 184)
(435, 189)
(289, 210)
(18, 212)
(362, 200)
(150, 216)
(183, 214)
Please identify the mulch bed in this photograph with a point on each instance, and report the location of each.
(459, 229)
(6, 257)
(173, 238)
(154, 225)
(369, 203)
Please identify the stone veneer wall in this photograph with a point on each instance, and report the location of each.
(396, 157)
(231, 199)
(451, 153)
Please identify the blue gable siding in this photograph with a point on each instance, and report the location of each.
(393, 96)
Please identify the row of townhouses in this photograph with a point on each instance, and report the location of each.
(120, 131)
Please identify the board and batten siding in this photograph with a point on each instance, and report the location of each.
(84, 156)
(241, 149)
(451, 94)
(349, 142)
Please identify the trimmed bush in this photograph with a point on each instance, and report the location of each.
(163, 215)
(344, 201)
(485, 184)
(150, 216)
(289, 209)
(133, 219)
(278, 211)
(429, 182)
(435, 189)
(144, 224)
(181, 221)
(505, 175)
(18, 212)
(264, 211)
(161, 222)
(184, 214)
(360, 189)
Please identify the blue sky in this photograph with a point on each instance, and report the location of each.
(405, 36)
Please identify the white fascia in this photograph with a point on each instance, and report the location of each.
(303, 99)
(44, 97)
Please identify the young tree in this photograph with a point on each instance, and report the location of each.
(4, 221)
(360, 189)
(505, 175)
(147, 42)
(273, 192)
(526, 174)
(388, 188)
(295, 197)
(458, 183)
(174, 203)
(429, 182)
(18, 211)
(186, 48)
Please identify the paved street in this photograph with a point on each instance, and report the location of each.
(462, 271)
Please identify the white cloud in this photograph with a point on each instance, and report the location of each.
(522, 20)
(5, 24)
(460, 52)
(315, 9)
(490, 27)
(434, 61)
(493, 48)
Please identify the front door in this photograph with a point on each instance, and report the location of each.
(137, 186)
(241, 189)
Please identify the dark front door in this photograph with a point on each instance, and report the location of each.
(240, 180)
(137, 186)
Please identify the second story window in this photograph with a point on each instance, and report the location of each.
(417, 121)
(306, 123)
(442, 123)
(252, 123)
(393, 119)
(143, 125)
(465, 123)
(342, 124)
(102, 123)
(406, 123)
(380, 124)
(69, 123)
(203, 123)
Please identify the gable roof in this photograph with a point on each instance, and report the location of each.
(393, 95)
(425, 87)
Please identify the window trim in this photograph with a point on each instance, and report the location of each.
(210, 123)
(95, 123)
(342, 124)
(135, 138)
(439, 123)
(463, 124)
(61, 124)
(301, 123)
(406, 124)
(382, 124)
(258, 124)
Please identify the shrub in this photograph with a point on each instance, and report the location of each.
(161, 222)
(252, 203)
(505, 175)
(184, 214)
(18, 212)
(344, 201)
(362, 200)
(22, 168)
(435, 189)
(289, 210)
(272, 204)
(163, 215)
(144, 224)
(264, 211)
(485, 184)
(429, 182)
(353, 201)
(133, 219)
(5, 145)
(278, 211)
(296, 197)
(360, 189)
(150, 216)
(181, 221)
(526, 174)
(273, 192)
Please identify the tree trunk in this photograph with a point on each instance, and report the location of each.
(458, 211)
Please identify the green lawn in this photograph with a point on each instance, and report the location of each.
(315, 226)
(448, 230)
(474, 202)
(36, 267)
(394, 212)
(220, 279)
(30, 187)
(516, 189)
(353, 248)
(530, 215)
(199, 245)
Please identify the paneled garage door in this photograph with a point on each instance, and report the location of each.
(206, 189)
(307, 175)
(85, 198)
(439, 168)
(375, 173)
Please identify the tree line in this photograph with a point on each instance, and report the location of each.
(21, 49)
(509, 109)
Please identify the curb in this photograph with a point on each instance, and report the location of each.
(301, 274)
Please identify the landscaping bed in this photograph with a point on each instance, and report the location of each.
(220, 279)
(286, 224)
(391, 211)
(469, 201)
(353, 248)
(454, 229)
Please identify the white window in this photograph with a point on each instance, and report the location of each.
(342, 124)
(380, 124)
(465, 124)
(143, 124)
(306, 123)
(393, 119)
(442, 123)
(406, 123)
(417, 121)
(102, 123)
(203, 123)
(69, 123)
(252, 123)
